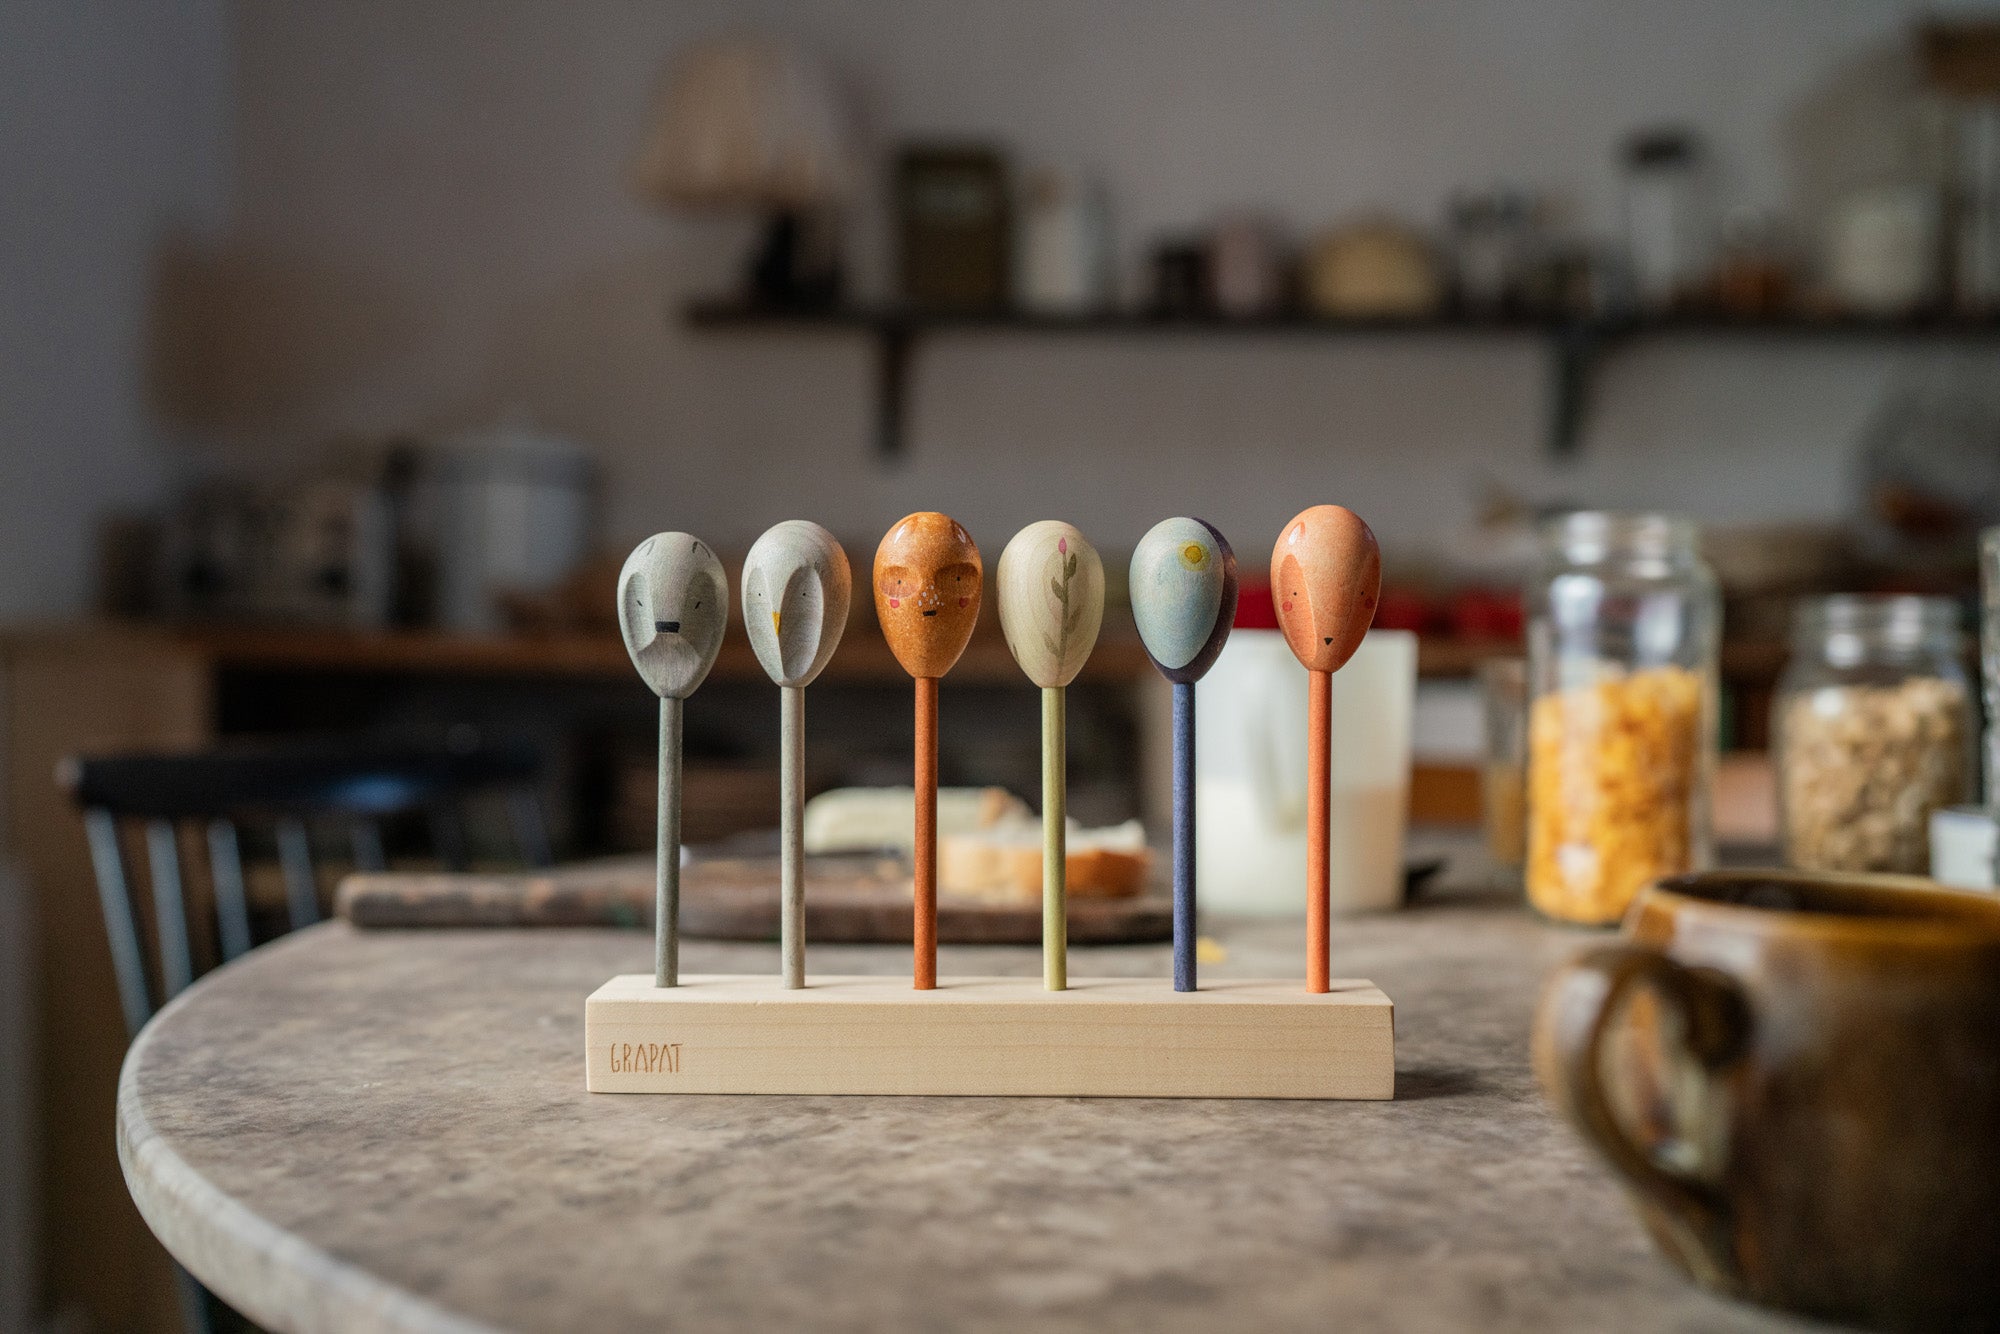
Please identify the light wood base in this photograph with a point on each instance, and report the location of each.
(1103, 1037)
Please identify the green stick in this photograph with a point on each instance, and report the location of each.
(1055, 917)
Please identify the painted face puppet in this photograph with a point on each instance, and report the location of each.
(1051, 600)
(796, 592)
(673, 605)
(1325, 574)
(928, 583)
(1183, 586)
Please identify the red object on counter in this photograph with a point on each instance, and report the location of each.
(1255, 608)
(1402, 609)
(1482, 613)
(1471, 613)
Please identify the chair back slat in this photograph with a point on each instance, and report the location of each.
(121, 925)
(365, 836)
(170, 926)
(448, 836)
(531, 834)
(232, 902)
(295, 859)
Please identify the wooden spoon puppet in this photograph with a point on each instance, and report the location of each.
(796, 593)
(673, 606)
(1051, 606)
(1183, 588)
(1326, 573)
(928, 583)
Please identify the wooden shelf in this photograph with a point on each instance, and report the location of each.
(1576, 344)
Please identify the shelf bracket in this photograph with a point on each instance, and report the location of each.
(1575, 349)
(895, 341)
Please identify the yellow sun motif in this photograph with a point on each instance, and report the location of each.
(1194, 555)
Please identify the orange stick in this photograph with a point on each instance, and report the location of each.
(924, 935)
(1319, 754)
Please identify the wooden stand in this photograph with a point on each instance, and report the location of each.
(1103, 1037)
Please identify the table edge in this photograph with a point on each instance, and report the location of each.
(275, 1277)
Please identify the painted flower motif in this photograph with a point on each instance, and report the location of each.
(1068, 617)
(1194, 555)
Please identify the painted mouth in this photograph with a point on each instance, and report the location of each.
(931, 612)
(667, 627)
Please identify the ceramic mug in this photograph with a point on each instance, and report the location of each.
(1798, 1078)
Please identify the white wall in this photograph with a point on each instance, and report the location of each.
(435, 193)
(114, 123)
(114, 139)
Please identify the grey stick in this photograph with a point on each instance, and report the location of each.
(791, 820)
(667, 902)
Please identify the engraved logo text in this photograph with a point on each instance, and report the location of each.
(651, 1058)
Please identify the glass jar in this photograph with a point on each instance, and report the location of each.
(1624, 623)
(1989, 665)
(1504, 690)
(1873, 731)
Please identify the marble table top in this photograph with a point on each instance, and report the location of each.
(354, 1130)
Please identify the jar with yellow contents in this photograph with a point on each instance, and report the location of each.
(1624, 628)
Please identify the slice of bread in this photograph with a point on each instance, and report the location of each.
(1003, 863)
(871, 819)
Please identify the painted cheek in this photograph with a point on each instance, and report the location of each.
(895, 602)
(1288, 606)
(963, 601)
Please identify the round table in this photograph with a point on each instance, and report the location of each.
(352, 1130)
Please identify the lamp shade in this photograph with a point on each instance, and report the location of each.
(746, 121)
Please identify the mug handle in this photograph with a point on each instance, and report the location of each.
(1578, 1005)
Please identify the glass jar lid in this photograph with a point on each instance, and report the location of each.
(1847, 628)
(1592, 537)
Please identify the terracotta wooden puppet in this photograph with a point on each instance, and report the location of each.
(1183, 586)
(1051, 606)
(1325, 574)
(796, 593)
(928, 582)
(673, 605)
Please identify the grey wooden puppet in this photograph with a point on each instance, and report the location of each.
(797, 588)
(673, 606)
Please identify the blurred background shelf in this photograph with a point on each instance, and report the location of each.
(863, 657)
(1576, 344)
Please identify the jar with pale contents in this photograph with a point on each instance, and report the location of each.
(1874, 731)
(1622, 643)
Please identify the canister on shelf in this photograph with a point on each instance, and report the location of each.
(1622, 643)
(1874, 731)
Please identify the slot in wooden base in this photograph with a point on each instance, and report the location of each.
(1104, 1037)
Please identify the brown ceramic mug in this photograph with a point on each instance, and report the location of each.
(1798, 1077)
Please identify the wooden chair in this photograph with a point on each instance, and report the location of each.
(292, 790)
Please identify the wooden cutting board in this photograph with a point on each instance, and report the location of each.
(849, 900)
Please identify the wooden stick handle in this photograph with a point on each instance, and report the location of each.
(924, 934)
(1055, 799)
(792, 833)
(667, 871)
(1184, 961)
(1319, 755)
